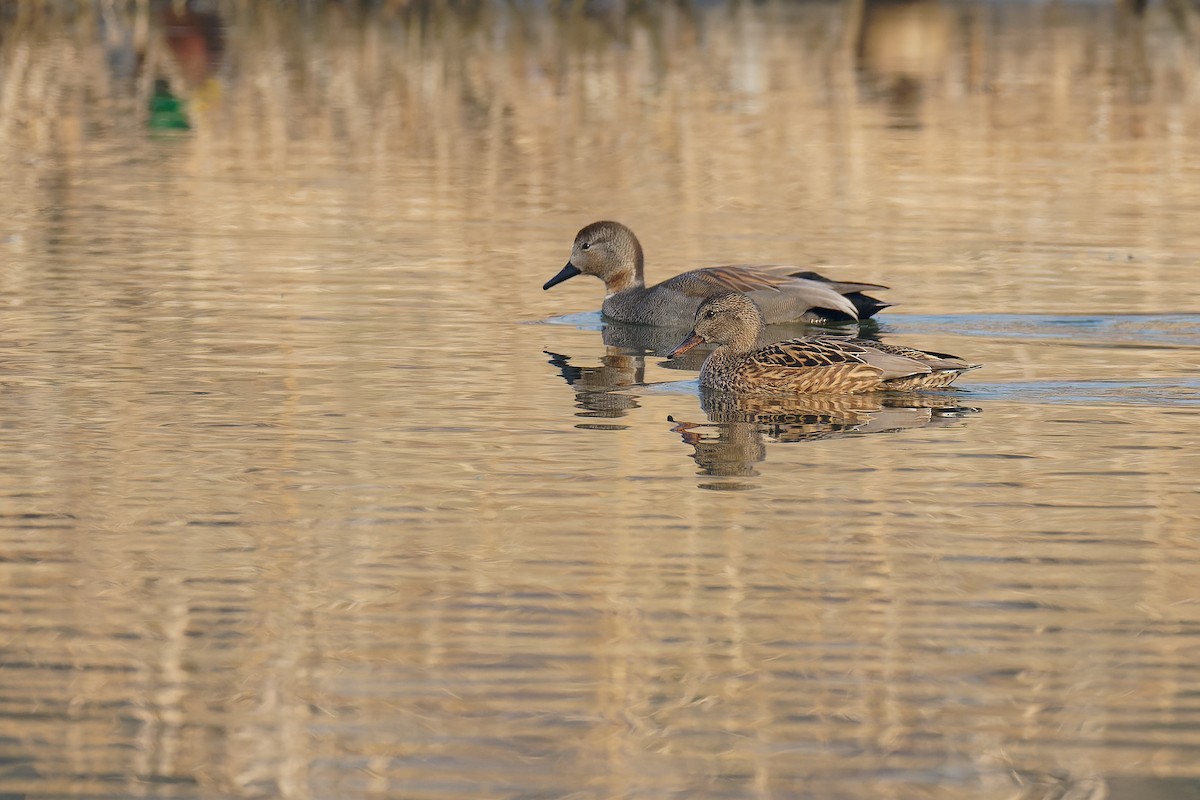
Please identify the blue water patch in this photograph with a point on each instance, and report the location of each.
(583, 320)
(1181, 330)
(1122, 330)
(1171, 393)
(1071, 392)
(1136, 392)
(671, 387)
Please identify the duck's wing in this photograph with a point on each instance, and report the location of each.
(810, 352)
(792, 271)
(865, 306)
(937, 362)
(826, 352)
(802, 293)
(732, 278)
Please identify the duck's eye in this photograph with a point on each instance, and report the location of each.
(585, 245)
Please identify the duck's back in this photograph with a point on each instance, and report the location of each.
(835, 365)
(805, 366)
(943, 368)
(658, 305)
(781, 296)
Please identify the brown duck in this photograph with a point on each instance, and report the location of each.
(811, 364)
(611, 252)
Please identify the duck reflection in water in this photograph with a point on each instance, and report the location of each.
(738, 428)
(623, 366)
(596, 388)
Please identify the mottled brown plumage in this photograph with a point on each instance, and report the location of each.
(611, 252)
(811, 364)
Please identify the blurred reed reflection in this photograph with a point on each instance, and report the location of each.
(764, 118)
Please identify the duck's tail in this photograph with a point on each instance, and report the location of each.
(855, 292)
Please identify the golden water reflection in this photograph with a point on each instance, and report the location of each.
(301, 497)
(734, 438)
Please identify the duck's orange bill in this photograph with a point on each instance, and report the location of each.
(691, 341)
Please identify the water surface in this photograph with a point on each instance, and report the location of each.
(309, 491)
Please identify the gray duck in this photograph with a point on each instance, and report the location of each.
(611, 252)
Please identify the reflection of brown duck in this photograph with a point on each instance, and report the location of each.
(728, 450)
(611, 252)
(734, 438)
(819, 416)
(815, 364)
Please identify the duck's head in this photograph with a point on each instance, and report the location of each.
(724, 319)
(607, 250)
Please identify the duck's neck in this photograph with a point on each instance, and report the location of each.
(723, 361)
(630, 276)
(743, 340)
(717, 367)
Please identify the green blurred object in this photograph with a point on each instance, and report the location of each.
(167, 112)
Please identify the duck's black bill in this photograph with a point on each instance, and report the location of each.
(691, 341)
(567, 272)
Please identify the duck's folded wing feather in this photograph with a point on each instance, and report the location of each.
(935, 361)
(814, 353)
(792, 271)
(733, 278)
(810, 352)
(748, 279)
